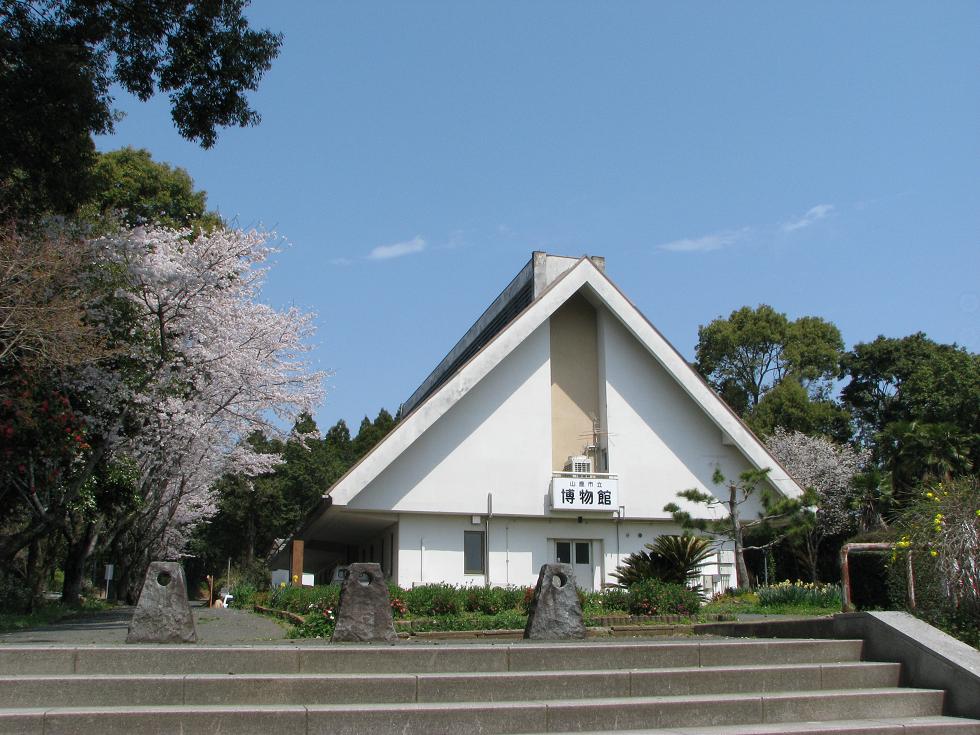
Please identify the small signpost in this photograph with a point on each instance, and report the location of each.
(109, 569)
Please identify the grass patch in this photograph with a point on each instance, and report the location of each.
(766, 603)
(48, 614)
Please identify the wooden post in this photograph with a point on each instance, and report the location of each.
(845, 575)
(911, 580)
(296, 566)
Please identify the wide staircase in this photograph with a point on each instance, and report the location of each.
(689, 686)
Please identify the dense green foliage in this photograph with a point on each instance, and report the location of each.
(674, 559)
(60, 58)
(916, 403)
(752, 350)
(130, 186)
(653, 597)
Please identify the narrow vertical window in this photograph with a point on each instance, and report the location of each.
(563, 552)
(474, 545)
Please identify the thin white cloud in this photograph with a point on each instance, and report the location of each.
(398, 249)
(714, 241)
(340, 261)
(814, 214)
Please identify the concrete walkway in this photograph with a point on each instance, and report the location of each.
(215, 626)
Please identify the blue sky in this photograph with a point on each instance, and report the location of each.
(821, 158)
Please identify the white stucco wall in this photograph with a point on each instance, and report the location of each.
(495, 439)
(431, 546)
(660, 442)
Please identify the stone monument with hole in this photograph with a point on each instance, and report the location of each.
(555, 612)
(163, 614)
(364, 611)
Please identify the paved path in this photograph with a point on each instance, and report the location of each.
(215, 626)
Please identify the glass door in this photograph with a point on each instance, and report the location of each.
(578, 553)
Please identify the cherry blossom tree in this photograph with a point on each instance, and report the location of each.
(194, 363)
(826, 471)
(213, 365)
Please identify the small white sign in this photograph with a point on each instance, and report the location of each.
(109, 568)
(585, 493)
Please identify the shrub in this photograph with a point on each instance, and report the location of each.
(255, 574)
(243, 595)
(608, 601)
(319, 623)
(301, 600)
(512, 598)
(433, 599)
(528, 598)
(802, 594)
(487, 600)
(505, 620)
(615, 599)
(673, 559)
(942, 532)
(653, 597)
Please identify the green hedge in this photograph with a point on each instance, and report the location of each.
(302, 600)
(449, 607)
(653, 597)
(506, 620)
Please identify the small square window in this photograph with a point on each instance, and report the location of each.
(474, 545)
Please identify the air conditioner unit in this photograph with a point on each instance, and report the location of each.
(579, 463)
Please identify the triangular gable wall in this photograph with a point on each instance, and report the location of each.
(599, 289)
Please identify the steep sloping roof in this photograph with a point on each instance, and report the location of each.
(584, 275)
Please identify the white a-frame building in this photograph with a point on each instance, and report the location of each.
(556, 429)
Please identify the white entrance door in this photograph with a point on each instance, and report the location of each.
(578, 553)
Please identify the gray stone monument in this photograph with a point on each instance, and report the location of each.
(555, 611)
(163, 614)
(365, 611)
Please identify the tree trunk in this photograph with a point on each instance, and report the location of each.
(250, 540)
(79, 551)
(741, 571)
(38, 570)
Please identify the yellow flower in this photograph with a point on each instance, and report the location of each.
(933, 553)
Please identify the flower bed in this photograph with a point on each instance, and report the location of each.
(441, 607)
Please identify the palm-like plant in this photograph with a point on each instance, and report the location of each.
(673, 559)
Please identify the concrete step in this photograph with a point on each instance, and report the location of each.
(746, 686)
(937, 725)
(212, 689)
(487, 718)
(419, 658)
